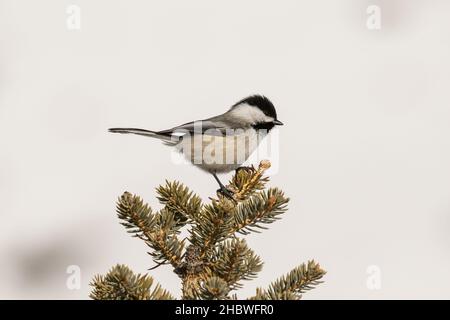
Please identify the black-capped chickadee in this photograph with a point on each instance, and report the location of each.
(222, 143)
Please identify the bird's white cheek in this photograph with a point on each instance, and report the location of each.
(250, 114)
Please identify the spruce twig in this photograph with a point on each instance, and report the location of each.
(178, 199)
(292, 285)
(158, 230)
(120, 283)
(213, 261)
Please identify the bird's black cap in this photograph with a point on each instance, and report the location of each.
(261, 102)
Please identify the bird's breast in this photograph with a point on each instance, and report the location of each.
(220, 153)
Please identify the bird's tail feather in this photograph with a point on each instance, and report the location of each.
(142, 132)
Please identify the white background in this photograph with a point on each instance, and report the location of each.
(364, 153)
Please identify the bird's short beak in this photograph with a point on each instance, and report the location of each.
(278, 123)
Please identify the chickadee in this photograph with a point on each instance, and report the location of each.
(222, 143)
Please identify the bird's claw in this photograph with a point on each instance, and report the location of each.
(226, 192)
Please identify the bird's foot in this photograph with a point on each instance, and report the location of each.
(226, 192)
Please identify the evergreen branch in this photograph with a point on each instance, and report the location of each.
(166, 248)
(157, 230)
(233, 261)
(292, 285)
(194, 277)
(262, 208)
(215, 224)
(249, 180)
(166, 220)
(136, 216)
(214, 288)
(190, 287)
(260, 295)
(178, 199)
(120, 283)
(215, 262)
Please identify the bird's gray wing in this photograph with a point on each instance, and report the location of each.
(208, 126)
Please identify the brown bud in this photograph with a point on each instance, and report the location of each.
(264, 165)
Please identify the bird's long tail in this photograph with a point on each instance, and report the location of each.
(142, 132)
